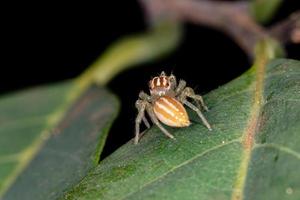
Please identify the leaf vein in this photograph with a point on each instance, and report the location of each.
(279, 147)
(183, 164)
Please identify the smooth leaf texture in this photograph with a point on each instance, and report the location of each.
(252, 152)
(73, 147)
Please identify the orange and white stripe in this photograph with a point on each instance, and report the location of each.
(171, 112)
(159, 82)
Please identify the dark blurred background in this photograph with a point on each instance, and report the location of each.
(51, 42)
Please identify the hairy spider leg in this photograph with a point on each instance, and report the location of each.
(197, 110)
(140, 105)
(156, 122)
(180, 87)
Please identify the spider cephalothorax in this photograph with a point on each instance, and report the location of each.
(160, 85)
(166, 104)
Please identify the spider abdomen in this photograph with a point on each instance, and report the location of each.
(171, 112)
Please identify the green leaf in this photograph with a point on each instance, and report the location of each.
(253, 151)
(51, 136)
(73, 148)
(264, 10)
(23, 117)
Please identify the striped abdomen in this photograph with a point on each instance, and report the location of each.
(171, 112)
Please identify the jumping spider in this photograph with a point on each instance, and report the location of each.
(166, 105)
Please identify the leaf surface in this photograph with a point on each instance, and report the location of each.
(26, 110)
(73, 147)
(252, 152)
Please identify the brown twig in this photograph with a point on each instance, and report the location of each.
(233, 18)
(288, 29)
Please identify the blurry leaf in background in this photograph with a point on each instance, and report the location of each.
(74, 145)
(264, 10)
(252, 152)
(23, 117)
(132, 50)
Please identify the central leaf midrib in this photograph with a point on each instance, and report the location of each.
(251, 128)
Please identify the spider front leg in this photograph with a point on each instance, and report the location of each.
(156, 122)
(146, 122)
(180, 87)
(189, 92)
(141, 106)
(146, 98)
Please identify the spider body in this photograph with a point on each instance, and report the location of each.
(166, 104)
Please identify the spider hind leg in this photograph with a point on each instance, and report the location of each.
(189, 92)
